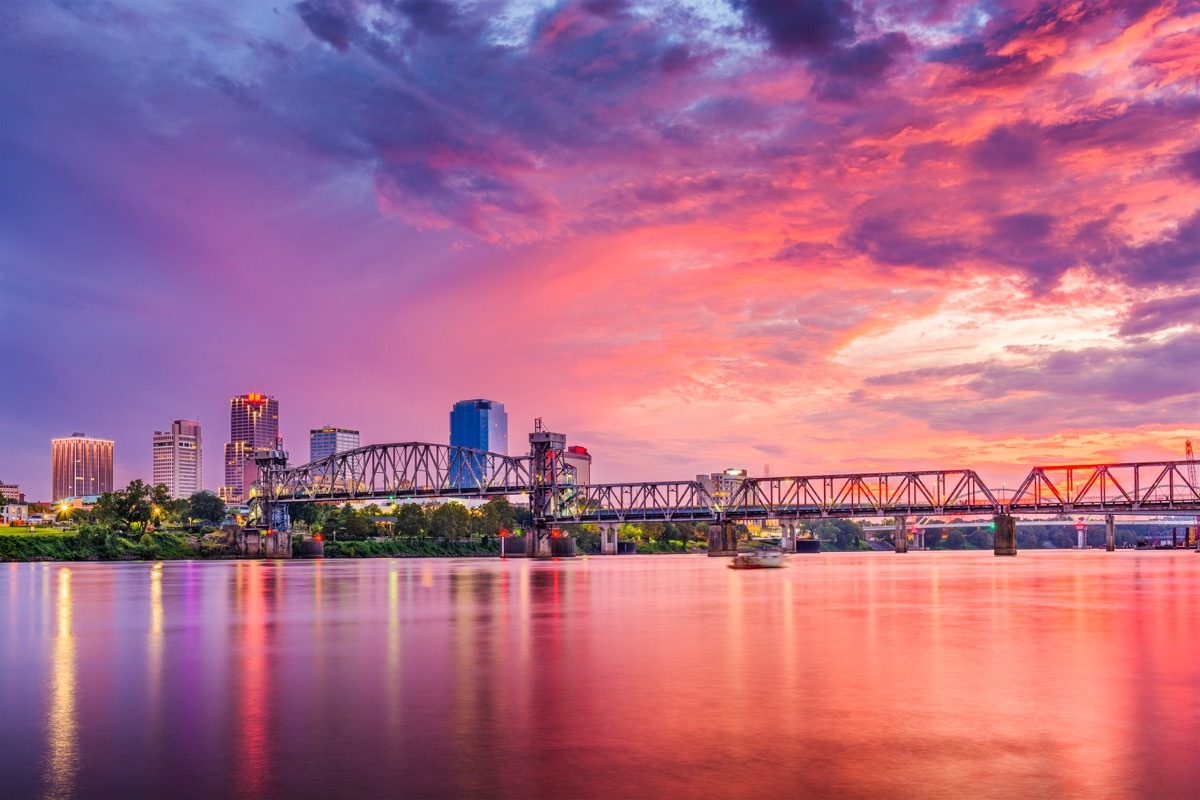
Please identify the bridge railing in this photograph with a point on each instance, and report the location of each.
(1147, 486)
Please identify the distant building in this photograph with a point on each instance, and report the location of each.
(721, 485)
(79, 465)
(579, 458)
(327, 441)
(14, 513)
(253, 425)
(11, 491)
(178, 459)
(479, 424)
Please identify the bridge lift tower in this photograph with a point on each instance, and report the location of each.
(1190, 456)
(546, 470)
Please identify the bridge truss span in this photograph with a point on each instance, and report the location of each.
(678, 501)
(878, 494)
(1133, 488)
(407, 470)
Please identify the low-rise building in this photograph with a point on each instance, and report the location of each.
(14, 513)
(11, 491)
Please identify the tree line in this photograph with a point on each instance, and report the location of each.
(140, 507)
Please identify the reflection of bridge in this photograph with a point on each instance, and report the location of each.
(416, 470)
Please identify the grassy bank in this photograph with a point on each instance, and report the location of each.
(99, 544)
(407, 548)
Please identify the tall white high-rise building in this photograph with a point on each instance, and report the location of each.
(179, 459)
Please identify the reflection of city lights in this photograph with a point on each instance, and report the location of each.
(62, 761)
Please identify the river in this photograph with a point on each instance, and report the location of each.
(957, 675)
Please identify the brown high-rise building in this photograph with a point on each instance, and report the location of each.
(80, 466)
(253, 425)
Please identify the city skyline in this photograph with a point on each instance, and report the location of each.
(690, 234)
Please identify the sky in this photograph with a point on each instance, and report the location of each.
(813, 237)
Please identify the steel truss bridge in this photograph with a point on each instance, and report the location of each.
(414, 471)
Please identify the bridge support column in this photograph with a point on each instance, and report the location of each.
(919, 539)
(539, 543)
(788, 540)
(1110, 533)
(1006, 535)
(902, 534)
(608, 540)
(722, 541)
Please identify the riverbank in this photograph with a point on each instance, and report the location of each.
(98, 544)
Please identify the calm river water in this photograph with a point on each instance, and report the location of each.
(1052, 674)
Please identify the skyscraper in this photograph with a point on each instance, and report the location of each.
(326, 441)
(479, 424)
(80, 465)
(253, 424)
(178, 458)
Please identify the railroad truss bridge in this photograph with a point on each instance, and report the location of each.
(414, 471)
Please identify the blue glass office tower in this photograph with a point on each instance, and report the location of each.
(479, 424)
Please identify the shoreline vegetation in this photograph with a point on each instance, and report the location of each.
(102, 543)
(141, 523)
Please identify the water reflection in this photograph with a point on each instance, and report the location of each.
(62, 757)
(252, 679)
(933, 674)
(154, 643)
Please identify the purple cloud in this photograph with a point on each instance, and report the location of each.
(1156, 315)
(801, 27)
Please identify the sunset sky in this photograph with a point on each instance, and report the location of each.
(824, 236)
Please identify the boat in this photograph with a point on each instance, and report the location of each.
(762, 558)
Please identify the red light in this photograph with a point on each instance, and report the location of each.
(503, 533)
(318, 538)
(556, 533)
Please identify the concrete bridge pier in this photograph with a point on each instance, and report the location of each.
(919, 539)
(1006, 535)
(722, 541)
(788, 539)
(901, 534)
(1110, 533)
(608, 540)
(539, 543)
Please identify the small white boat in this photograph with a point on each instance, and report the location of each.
(760, 559)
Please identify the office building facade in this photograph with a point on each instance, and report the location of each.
(479, 424)
(253, 426)
(326, 441)
(178, 459)
(80, 465)
(11, 491)
(722, 485)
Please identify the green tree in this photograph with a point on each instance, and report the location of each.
(843, 533)
(307, 513)
(128, 508)
(450, 520)
(410, 520)
(347, 523)
(495, 515)
(205, 507)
